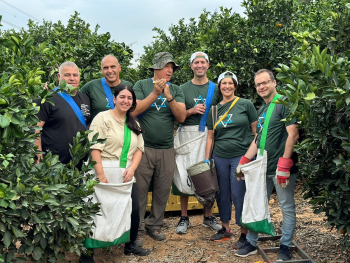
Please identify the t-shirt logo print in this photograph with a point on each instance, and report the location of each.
(261, 121)
(158, 106)
(199, 100)
(108, 106)
(228, 120)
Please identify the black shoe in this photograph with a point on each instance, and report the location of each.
(86, 259)
(240, 242)
(155, 234)
(131, 248)
(284, 253)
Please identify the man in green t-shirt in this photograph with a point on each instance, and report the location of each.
(197, 92)
(110, 69)
(281, 169)
(159, 104)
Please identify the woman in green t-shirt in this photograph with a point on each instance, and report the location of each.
(232, 135)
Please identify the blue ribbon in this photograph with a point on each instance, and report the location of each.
(208, 100)
(73, 105)
(108, 92)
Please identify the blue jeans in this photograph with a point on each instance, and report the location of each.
(287, 204)
(231, 190)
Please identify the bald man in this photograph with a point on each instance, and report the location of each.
(95, 89)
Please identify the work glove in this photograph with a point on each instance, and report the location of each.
(283, 171)
(207, 161)
(239, 175)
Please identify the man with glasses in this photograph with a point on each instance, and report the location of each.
(281, 168)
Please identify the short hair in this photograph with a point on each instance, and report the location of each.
(272, 77)
(67, 64)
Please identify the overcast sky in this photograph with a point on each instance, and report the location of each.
(128, 21)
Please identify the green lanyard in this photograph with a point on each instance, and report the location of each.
(266, 123)
(126, 146)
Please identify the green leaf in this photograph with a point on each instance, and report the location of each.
(310, 96)
(346, 146)
(4, 122)
(43, 243)
(37, 253)
(73, 222)
(8, 238)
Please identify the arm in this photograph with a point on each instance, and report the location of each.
(253, 127)
(129, 173)
(96, 156)
(38, 142)
(143, 105)
(252, 150)
(210, 139)
(177, 108)
(293, 136)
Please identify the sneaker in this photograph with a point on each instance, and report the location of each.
(138, 241)
(86, 259)
(240, 242)
(284, 253)
(212, 223)
(182, 226)
(155, 234)
(132, 248)
(221, 235)
(246, 250)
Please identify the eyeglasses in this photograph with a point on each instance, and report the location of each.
(262, 83)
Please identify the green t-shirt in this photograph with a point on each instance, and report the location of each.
(158, 120)
(195, 94)
(233, 134)
(276, 136)
(99, 102)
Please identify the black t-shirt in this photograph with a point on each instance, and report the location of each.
(62, 124)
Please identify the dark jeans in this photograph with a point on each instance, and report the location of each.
(135, 216)
(231, 190)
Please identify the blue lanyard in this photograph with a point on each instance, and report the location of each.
(208, 100)
(73, 105)
(108, 92)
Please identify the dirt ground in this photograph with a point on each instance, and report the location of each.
(312, 235)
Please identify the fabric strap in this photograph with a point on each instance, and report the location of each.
(208, 100)
(126, 146)
(108, 92)
(223, 116)
(266, 123)
(73, 105)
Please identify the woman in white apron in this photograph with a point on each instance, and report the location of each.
(232, 135)
(117, 159)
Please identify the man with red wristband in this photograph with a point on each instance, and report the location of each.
(281, 169)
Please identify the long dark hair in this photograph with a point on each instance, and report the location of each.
(130, 121)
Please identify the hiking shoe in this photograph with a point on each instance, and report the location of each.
(138, 241)
(240, 242)
(182, 226)
(246, 250)
(221, 235)
(284, 253)
(155, 234)
(132, 248)
(212, 223)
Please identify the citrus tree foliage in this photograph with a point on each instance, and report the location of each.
(317, 90)
(260, 39)
(75, 42)
(44, 208)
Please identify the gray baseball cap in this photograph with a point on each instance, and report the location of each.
(161, 59)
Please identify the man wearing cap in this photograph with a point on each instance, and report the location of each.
(159, 104)
(200, 94)
(96, 89)
(278, 141)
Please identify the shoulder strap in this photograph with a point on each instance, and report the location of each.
(266, 123)
(223, 116)
(108, 92)
(126, 146)
(74, 106)
(208, 100)
(214, 114)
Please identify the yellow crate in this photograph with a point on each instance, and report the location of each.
(175, 205)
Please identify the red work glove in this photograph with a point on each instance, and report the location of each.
(282, 172)
(239, 175)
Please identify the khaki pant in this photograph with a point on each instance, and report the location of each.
(158, 164)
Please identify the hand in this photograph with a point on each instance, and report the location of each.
(283, 171)
(167, 93)
(46, 86)
(239, 174)
(198, 109)
(159, 86)
(39, 157)
(128, 175)
(103, 179)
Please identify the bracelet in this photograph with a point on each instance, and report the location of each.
(101, 178)
(171, 100)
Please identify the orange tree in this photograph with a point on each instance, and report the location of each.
(317, 89)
